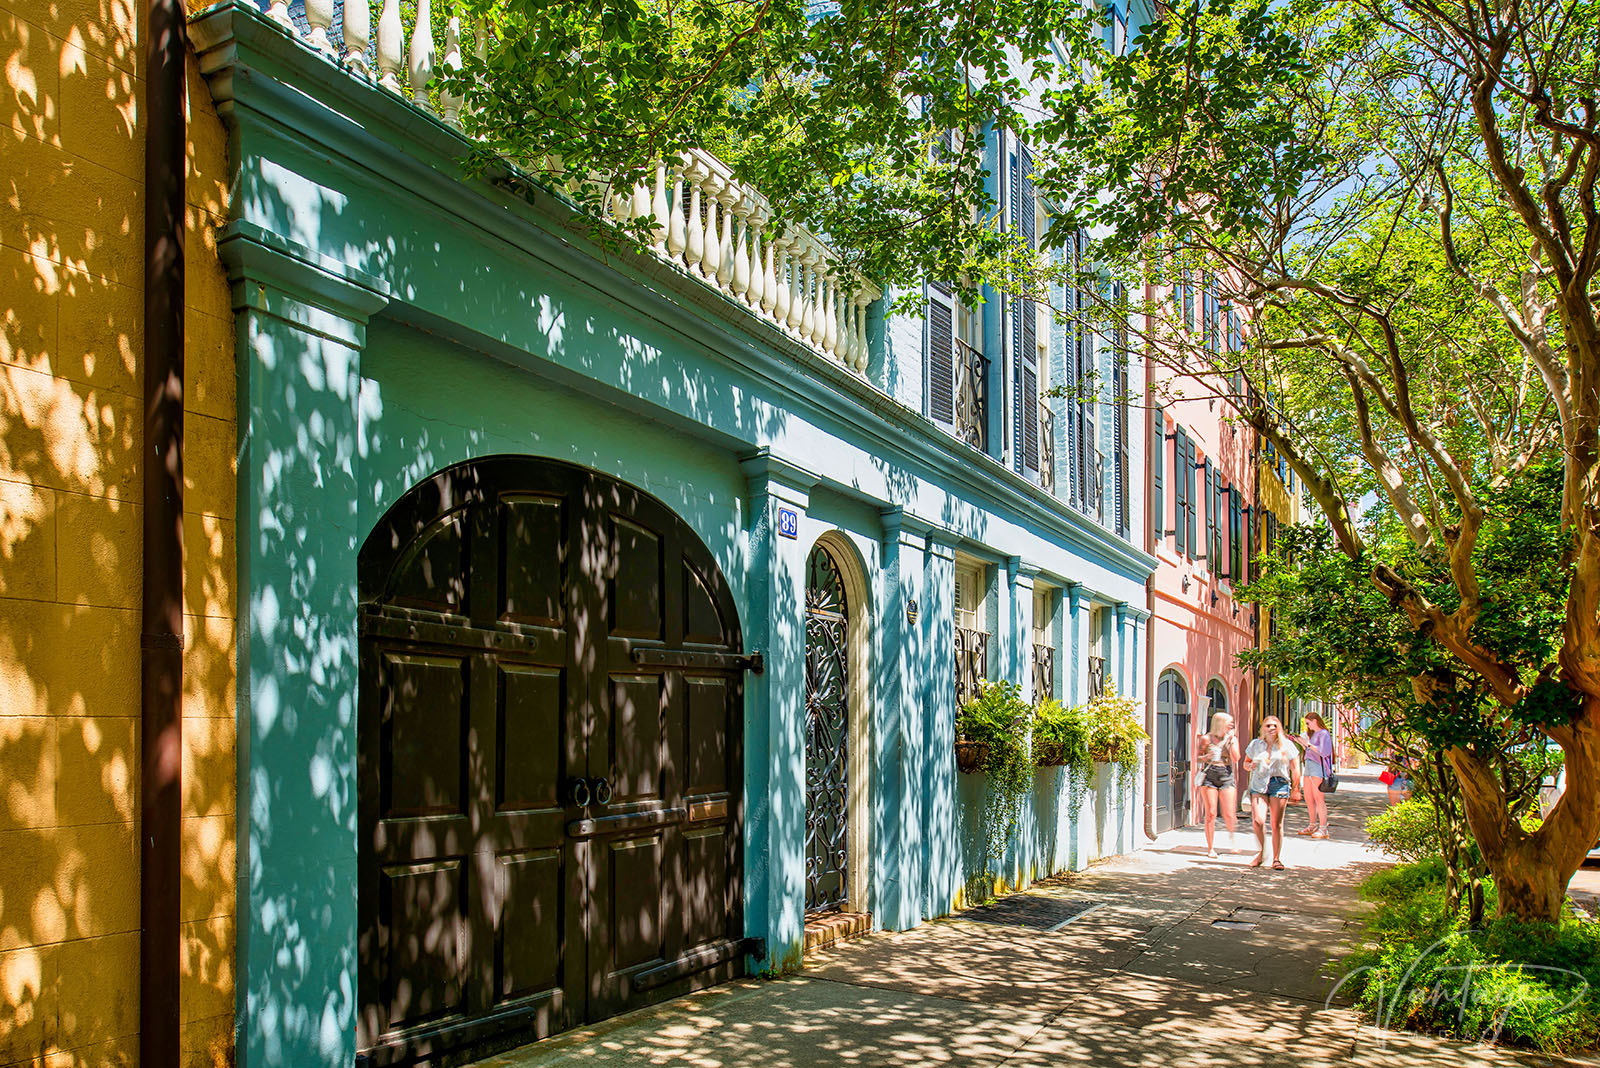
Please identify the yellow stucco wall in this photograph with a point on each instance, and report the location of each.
(71, 174)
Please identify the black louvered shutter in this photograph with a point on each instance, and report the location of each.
(1158, 459)
(1188, 477)
(1180, 484)
(941, 357)
(1235, 531)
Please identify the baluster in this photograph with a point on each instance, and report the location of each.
(641, 202)
(658, 206)
(741, 258)
(830, 340)
(319, 16)
(819, 305)
(621, 202)
(422, 55)
(808, 303)
(796, 283)
(450, 99)
(676, 240)
(712, 263)
(752, 261)
(862, 303)
(695, 249)
(782, 290)
(357, 33)
(769, 276)
(389, 44)
(279, 10)
(847, 329)
(725, 267)
(827, 298)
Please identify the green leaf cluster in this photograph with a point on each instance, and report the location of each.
(999, 719)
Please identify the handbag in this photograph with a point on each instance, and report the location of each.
(1386, 777)
(1330, 783)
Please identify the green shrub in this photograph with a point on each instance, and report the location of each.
(1523, 984)
(999, 719)
(1408, 831)
(1115, 730)
(1064, 731)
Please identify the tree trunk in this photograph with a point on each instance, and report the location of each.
(1531, 871)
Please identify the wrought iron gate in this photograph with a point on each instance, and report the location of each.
(827, 735)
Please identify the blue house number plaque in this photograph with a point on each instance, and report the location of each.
(788, 523)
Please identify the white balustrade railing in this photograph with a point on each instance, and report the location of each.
(705, 222)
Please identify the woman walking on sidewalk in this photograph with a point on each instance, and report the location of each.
(1274, 767)
(1219, 752)
(1318, 744)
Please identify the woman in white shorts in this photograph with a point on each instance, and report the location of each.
(1274, 766)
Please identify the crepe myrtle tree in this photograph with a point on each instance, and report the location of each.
(1400, 198)
(1335, 635)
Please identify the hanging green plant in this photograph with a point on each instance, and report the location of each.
(1115, 732)
(998, 720)
(1061, 736)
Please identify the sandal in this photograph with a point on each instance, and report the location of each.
(1277, 865)
(1211, 854)
(1256, 861)
(1308, 832)
(1320, 834)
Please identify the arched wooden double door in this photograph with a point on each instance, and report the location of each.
(550, 760)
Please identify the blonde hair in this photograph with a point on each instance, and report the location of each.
(1218, 721)
(1282, 741)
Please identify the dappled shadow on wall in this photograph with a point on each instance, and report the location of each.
(70, 426)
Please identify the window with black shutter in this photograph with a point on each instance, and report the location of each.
(1180, 490)
(1235, 532)
(1189, 492)
(1158, 458)
(1120, 412)
(941, 356)
(1025, 325)
(1211, 514)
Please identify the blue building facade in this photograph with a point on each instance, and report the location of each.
(606, 615)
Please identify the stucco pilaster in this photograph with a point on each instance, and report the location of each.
(301, 329)
(1078, 620)
(941, 850)
(1124, 661)
(775, 712)
(901, 751)
(1022, 580)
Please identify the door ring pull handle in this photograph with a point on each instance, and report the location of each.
(580, 793)
(602, 792)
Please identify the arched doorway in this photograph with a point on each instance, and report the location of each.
(836, 741)
(549, 747)
(1173, 731)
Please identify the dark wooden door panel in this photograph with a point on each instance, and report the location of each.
(502, 602)
(424, 727)
(425, 906)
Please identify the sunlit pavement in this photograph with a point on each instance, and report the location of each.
(1145, 978)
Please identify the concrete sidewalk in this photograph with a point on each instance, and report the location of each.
(1144, 978)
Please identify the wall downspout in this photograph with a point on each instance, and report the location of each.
(1152, 441)
(161, 635)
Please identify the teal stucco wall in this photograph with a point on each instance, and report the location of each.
(396, 316)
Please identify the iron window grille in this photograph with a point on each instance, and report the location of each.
(972, 396)
(1047, 448)
(972, 664)
(1097, 676)
(1044, 671)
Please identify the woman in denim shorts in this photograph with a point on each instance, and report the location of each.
(1274, 767)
